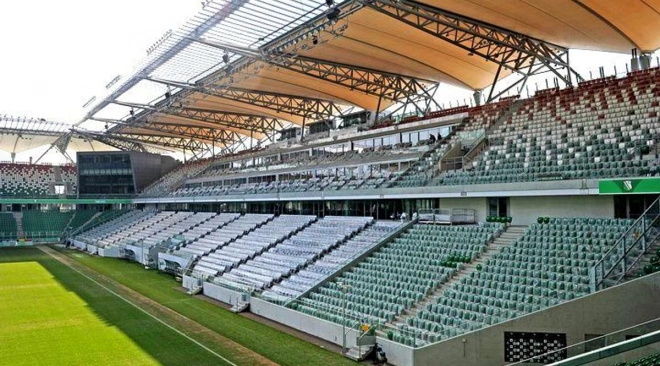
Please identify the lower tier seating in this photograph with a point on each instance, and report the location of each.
(652, 360)
(302, 281)
(8, 228)
(41, 224)
(400, 274)
(548, 265)
(294, 253)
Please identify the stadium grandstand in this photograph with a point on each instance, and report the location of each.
(300, 160)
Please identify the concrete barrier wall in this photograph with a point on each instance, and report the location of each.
(320, 328)
(79, 244)
(601, 313)
(397, 353)
(189, 282)
(221, 294)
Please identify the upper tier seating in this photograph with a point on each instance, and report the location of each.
(596, 130)
(548, 265)
(479, 118)
(314, 273)
(8, 228)
(176, 177)
(26, 180)
(70, 176)
(253, 244)
(400, 274)
(294, 253)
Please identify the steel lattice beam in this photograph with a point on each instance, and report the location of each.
(292, 104)
(118, 142)
(166, 141)
(386, 85)
(244, 122)
(509, 50)
(215, 136)
(167, 55)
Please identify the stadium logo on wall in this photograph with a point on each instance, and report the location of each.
(627, 185)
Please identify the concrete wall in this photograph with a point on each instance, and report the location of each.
(222, 294)
(479, 204)
(604, 312)
(525, 210)
(320, 328)
(189, 282)
(397, 353)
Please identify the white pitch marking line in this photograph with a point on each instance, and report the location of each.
(144, 311)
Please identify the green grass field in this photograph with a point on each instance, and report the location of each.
(278, 346)
(52, 315)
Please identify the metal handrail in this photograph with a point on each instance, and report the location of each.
(597, 277)
(648, 327)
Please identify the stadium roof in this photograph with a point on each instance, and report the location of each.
(243, 69)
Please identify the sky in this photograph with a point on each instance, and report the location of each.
(56, 55)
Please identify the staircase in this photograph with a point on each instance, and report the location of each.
(58, 173)
(240, 307)
(628, 252)
(431, 157)
(506, 238)
(18, 216)
(513, 108)
(644, 259)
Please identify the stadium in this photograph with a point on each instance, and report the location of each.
(327, 182)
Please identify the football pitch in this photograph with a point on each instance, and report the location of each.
(53, 315)
(69, 308)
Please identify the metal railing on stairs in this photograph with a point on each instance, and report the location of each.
(627, 250)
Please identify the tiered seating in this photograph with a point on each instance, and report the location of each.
(70, 177)
(652, 360)
(600, 129)
(318, 271)
(132, 231)
(237, 227)
(80, 217)
(480, 118)
(177, 228)
(293, 253)
(102, 218)
(546, 266)
(149, 235)
(8, 228)
(201, 230)
(399, 274)
(45, 223)
(176, 177)
(254, 243)
(27, 180)
(96, 233)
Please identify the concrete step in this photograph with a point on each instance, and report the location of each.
(506, 238)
